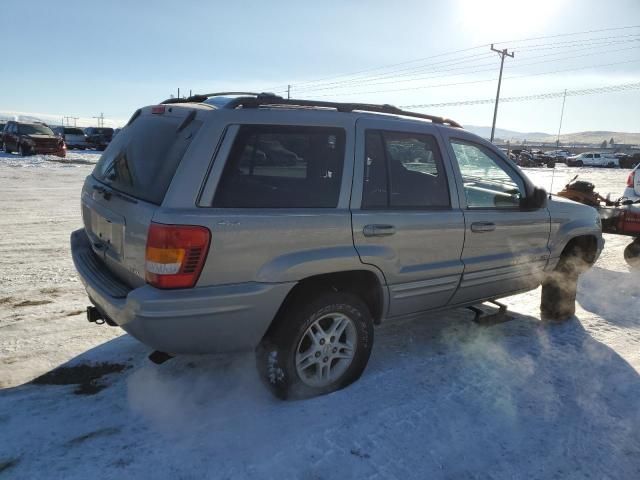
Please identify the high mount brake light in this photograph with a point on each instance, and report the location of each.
(175, 255)
(158, 109)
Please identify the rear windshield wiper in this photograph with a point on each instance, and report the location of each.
(107, 192)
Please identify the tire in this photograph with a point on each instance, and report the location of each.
(579, 163)
(22, 151)
(295, 366)
(632, 254)
(559, 288)
(6, 149)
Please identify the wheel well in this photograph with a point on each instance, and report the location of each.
(584, 247)
(363, 283)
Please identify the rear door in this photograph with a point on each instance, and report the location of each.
(506, 246)
(405, 220)
(128, 185)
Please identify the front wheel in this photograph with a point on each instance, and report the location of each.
(22, 151)
(317, 347)
(632, 254)
(559, 288)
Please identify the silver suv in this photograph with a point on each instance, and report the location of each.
(292, 227)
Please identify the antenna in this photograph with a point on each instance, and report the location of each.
(564, 98)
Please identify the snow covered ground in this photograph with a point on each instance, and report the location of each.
(442, 397)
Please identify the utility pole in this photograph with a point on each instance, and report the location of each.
(503, 53)
(564, 98)
(100, 119)
(288, 92)
(178, 92)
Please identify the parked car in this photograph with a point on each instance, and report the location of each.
(559, 155)
(628, 161)
(632, 192)
(593, 159)
(191, 246)
(98, 137)
(30, 138)
(73, 137)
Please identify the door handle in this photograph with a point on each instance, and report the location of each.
(481, 227)
(378, 230)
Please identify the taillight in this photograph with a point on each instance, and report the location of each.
(630, 178)
(175, 255)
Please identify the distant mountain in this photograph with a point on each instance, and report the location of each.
(595, 137)
(502, 133)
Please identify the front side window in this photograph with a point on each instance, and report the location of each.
(403, 170)
(487, 182)
(272, 166)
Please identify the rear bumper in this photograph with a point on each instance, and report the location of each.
(199, 320)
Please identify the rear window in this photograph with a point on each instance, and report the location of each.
(143, 157)
(73, 131)
(283, 167)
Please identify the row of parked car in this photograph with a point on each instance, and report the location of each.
(31, 138)
(538, 158)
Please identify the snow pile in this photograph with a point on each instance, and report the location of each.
(441, 398)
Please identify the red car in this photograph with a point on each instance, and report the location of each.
(31, 139)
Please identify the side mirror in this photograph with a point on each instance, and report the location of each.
(537, 199)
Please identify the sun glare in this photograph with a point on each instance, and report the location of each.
(484, 20)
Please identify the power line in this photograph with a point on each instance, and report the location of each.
(539, 96)
(439, 85)
(392, 77)
(466, 71)
(388, 66)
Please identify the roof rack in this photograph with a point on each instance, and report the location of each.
(201, 97)
(256, 100)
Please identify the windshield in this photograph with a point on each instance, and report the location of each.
(26, 129)
(142, 159)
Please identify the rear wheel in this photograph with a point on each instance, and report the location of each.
(317, 347)
(632, 254)
(22, 151)
(579, 163)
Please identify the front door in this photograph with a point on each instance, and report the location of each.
(506, 246)
(405, 221)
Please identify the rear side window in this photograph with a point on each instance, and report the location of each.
(273, 166)
(144, 156)
(403, 170)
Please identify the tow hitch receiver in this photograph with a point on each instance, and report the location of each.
(94, 315)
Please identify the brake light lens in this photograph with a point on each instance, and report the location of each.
(175, 255)
(158, 109)
(630, 178)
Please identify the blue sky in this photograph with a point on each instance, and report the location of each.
(83, 58)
